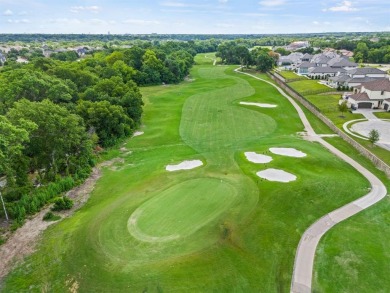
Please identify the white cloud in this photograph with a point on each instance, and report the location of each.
(345, 6)
(316, 23)
(18, 21)
(223, 1)
(78, 9)
(8, 12)
(272, 3)
(22, 13)
(141, 22)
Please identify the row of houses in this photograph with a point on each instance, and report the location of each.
(338, 70)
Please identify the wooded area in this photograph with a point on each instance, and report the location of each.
(56, 112)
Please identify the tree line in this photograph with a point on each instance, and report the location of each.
(54, 114)
(235, 52)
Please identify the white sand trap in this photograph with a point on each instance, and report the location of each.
(276, 175)
(259, 105)
(186, 165)
(257, 158)
(138, 133)
(288, 152)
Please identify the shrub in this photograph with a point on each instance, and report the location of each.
(62, 203)
(49, 216)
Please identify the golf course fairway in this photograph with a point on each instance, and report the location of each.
(215, 228)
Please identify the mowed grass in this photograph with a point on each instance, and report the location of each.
(382, 115)
(288, 74)
(305, 85)
(329, 106)
(354, 255)
(217, 228)
(183, 208)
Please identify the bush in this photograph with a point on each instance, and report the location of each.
(62, 203)
(49, 216)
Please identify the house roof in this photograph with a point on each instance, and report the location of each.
(307, 56)
(362, 79)
(366, 70)
(378, 85)
(340, 78)
(341, 62)
(306, 65)
(360, 97)
(326, 69)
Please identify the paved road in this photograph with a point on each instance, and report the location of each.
(304, 258)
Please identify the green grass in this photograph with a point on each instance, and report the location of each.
(288, 74)
(382, 115)
(328, 105)
(303, 86)
(354, 255)
(223, 229)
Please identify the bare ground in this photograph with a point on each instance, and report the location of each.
(23, 242)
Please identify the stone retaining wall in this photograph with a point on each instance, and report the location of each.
(312, 108)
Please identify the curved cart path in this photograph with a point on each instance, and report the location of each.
(304, 258)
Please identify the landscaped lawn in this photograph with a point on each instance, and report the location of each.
(328, 105)
(382, 115)
(288, 74)
(303, 86)
(216, 228)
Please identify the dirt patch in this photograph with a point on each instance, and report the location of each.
(23, 241)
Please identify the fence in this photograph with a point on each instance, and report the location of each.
(312, 108)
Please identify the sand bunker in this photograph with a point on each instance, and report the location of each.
(276, 175)
(289, 152)
(186, 165)
(138, 133)
(257, 158)
(259, 105)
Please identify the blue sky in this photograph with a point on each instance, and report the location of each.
(193, 16)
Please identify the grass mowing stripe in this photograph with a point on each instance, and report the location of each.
(248, 247)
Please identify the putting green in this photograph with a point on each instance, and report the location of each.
(181, 210)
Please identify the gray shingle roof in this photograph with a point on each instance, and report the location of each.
(366, 70)
(360, 97)
(378, 85)
(307, 65)
(326, 69)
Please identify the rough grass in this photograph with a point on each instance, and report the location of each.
(247, 245)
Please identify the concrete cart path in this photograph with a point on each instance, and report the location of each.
(304, 258)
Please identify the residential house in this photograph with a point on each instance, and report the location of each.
(290, 61)
(374, 94)
(2, 58)
(356, 77)
(325, 72)
(304, 67)
(81, 51)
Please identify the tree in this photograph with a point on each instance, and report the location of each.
(373, 136)
(263, 60)
(343, 107)
(13, 140)
(110, 122)
(59, 137)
